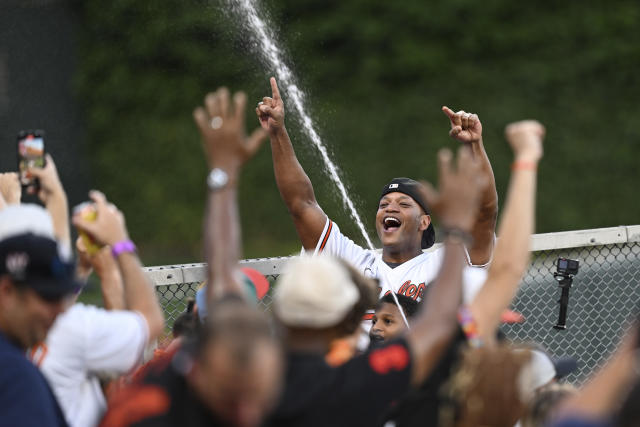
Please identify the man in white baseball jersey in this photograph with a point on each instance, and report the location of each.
(403, 222)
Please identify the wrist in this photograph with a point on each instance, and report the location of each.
(456, 235)
(527, 157)
(222, 176)
(55, 200)
(120, 237)
(477, 141)
(122, 247)
(277, 131)
(524, 164)
(83, 273)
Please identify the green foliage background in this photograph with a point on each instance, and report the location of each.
(376, 74)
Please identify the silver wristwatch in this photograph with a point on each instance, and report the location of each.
(217, 179)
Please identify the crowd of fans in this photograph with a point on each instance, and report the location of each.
(405, 337)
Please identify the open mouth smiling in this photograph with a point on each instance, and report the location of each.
(391, 223)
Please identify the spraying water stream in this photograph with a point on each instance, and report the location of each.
(247, 10)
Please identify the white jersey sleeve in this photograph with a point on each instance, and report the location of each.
(115, 341)
(91, 339)
(332, 241)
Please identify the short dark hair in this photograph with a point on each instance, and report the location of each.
(409, 305)
(237, 324)
(184, 324)
(368, 295)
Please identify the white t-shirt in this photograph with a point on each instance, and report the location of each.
(86, 341)
(409, 278)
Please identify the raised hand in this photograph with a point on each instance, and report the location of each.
(108, 228)
(525, 138)
(222, 128)
(10, 188)
(270, 111)
(102, 262)
(50, 185)
(54, 198)
(465, 127)
(457, 199)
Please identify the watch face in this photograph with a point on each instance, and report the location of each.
(217, 179)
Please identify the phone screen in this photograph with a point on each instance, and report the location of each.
(30, 154)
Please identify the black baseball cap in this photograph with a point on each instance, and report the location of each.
(34, 261)
(412, 189)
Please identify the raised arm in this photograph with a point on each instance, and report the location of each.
(456, 205)
(54, 197)
(511, 257)
(105, 267)
(10, 189)
(226, 149)
(293, 183)
(466, 128)
(109, 229)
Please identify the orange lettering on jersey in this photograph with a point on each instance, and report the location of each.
(394, 357)
(411, 291)
(403, 288)
(368, 316)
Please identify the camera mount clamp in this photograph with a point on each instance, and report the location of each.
(564, 283)
(566, 269)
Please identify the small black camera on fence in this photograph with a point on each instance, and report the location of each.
(567, 267)
(565, 270)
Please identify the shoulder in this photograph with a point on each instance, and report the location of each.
(139, 404)
(394, 356)
(25, 397)
(82, 324)
(75, 317)
(19, 377)
(92, 316)
(158, 399)
(16, 365)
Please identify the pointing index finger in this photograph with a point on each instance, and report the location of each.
(275, 93)
(448, 112)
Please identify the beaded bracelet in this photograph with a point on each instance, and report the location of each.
(469, 326)
(121, 247)
(456, 235)
(523, 165)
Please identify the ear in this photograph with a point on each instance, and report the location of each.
(6, 287)
(425, 220)
(7, 291)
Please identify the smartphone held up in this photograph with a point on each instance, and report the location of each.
(30, 155)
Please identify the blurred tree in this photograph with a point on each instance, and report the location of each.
(376, 74)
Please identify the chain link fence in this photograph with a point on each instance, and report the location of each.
(604, 296)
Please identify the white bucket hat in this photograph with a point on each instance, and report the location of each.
(314, 292)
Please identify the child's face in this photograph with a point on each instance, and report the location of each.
(387, 323)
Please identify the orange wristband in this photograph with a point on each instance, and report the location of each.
(522, 165)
